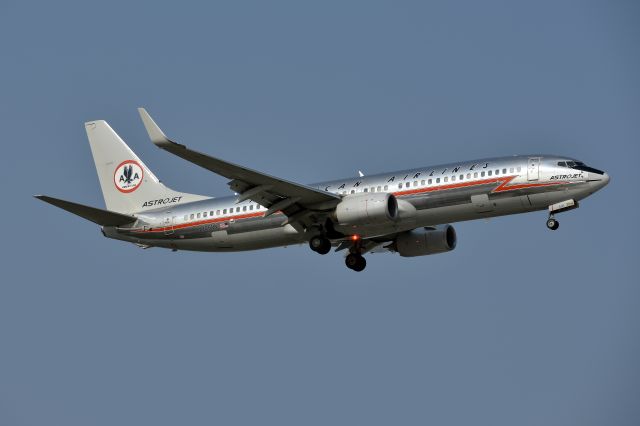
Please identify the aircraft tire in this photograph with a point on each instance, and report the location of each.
(320, 245)
(355, 262)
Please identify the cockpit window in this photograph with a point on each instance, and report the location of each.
(579, 165)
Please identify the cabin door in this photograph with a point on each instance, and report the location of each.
(533, 169)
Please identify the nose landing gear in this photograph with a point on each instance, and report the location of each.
(552, 223)
(563, 206)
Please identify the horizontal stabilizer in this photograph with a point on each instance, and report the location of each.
(95, 215)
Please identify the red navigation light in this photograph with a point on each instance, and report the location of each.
(355, 237)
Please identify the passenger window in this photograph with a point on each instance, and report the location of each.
(366, 190)
(461, 177)
(430, 181)
(217, 212)
(186, 217)
(204, 214)
(353, 192)
(453, 178)
(562, 163)
(380, 188)
(438, 180)
(244, 208)
(251, 207)
(482, 174)
(192, 216)
(504, 171)
(198, 216)
(386, 187)
(422, 183)
(511, 170)
(237, 209)
(519, 169)
(400, 185)
(497, 172)
(490, 172)
(224, 211)
(415, 183)
(468, 175)
(475, 175)
(373, 189)
(446, 179)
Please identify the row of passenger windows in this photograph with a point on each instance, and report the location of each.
(222, 212)
(445, 179)
(380, 188)
(461, 177)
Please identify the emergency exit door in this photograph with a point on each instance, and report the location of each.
(533, 170)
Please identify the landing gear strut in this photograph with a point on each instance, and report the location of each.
(563, 206)
(320, 245)
(355, 261)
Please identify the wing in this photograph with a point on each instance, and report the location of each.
(300, 203)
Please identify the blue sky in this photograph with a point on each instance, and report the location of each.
(518, 325)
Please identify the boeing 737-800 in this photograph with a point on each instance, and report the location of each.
(407, 212)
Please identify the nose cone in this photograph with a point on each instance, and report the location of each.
(602, 182)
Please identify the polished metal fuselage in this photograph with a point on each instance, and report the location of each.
(427, 196)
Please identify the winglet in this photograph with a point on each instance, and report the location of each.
(156, 135)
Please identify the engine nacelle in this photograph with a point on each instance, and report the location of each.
(424, 241)
(367, 208)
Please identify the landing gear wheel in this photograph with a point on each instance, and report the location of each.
(553, 224)
(355, 262)
(320, 245)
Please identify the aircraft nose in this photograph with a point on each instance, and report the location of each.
(600, 183)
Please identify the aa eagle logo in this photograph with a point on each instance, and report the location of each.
(128, 176)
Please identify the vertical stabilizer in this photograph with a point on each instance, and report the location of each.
(128, 185)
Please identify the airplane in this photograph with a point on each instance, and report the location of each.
(408, 212)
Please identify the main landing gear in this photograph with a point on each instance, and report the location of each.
(320, 244)
(552, 223)
(355, 261)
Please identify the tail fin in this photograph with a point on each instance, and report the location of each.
(127, 184)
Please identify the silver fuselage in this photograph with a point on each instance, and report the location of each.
(427, 196)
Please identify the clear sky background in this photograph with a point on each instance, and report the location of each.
(517, 326)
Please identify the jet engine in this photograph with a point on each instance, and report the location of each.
(424, 241)
(368, 208)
